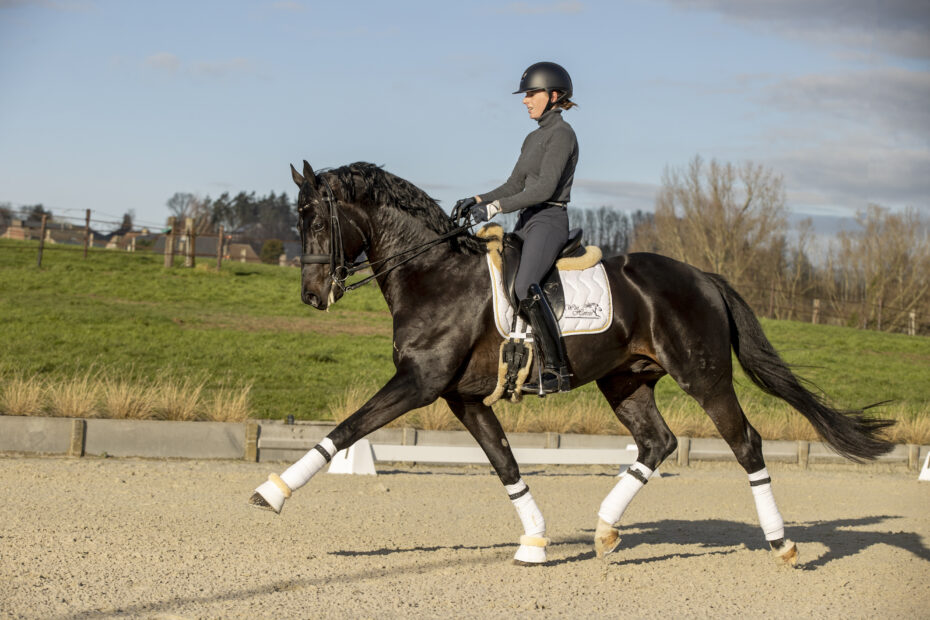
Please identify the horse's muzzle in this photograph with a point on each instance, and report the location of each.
(312, 300)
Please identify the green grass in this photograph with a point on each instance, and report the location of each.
(125, 316)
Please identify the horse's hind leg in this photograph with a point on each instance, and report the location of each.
(484, 426)
(633, 401)
(725, 411)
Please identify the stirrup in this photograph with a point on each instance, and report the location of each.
(553, 381)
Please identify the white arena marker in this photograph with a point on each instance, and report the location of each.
(925, 472)
(356, 459)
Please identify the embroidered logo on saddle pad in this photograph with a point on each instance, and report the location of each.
(588, 305)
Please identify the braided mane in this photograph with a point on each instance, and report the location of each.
(363, 182)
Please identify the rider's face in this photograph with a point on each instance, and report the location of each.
(535, 102)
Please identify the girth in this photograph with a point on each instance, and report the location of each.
(552, 283)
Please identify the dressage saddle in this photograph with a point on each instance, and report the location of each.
(552, 283)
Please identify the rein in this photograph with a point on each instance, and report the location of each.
(339, 270)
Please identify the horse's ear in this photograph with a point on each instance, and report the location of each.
(308, 173)
(299, 180)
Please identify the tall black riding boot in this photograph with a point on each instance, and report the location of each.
(546, 335)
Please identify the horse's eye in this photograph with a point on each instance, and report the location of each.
(316, 225)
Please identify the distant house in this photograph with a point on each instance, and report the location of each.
(243, 252)
(55, 232)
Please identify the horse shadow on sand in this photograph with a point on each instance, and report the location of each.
(710, 536)
(715, 537)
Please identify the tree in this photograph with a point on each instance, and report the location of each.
(271, 250)
(179, 205)
(183, 205)
(126, 225)
(605, 227)
(34, 212)
(719, 217)
(885, 266)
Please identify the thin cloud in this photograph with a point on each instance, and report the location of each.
(621, 194)
(894, 98)
(898, 27)
(572, 7)
(59, 5)
(163, 61)
(855, 137)
(223, 68)
(287, 6)
(219, 69)
(854, 175)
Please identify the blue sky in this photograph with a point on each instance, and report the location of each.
(117, 105)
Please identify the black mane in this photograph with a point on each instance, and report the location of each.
(363, 181)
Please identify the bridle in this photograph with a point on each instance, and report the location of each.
(339, 268)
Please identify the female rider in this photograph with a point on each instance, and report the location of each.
(539, 187)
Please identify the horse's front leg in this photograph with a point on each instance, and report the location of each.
(399, 395)
(486, 429)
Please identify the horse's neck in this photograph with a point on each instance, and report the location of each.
(390, 245)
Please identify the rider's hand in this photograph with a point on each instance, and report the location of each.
(462, 206)
(484, 211)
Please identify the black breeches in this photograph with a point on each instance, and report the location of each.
(544, 230)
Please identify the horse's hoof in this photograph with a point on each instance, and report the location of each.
(606, 538)
(532, 551)
(787, 555)
(517, 562)
(269, 496)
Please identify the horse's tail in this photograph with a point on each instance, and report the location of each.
(851, 433)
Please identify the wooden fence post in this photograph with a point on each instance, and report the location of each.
(78, 434)
(816, 315)
(42, 239)
(191, 242)
(684, 451)
(219, 250)
(169, 242)
(86, 231)
(912, 323)
(251, 441)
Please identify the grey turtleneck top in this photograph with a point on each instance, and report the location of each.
(546, 167)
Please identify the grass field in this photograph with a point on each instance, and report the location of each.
(243, 341)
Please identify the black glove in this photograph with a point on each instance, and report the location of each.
(461, 208)
(481, 212)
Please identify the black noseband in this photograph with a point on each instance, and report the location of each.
(315, 259)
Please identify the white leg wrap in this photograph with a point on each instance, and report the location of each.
(298, 474)
(533, 543)
(622, 494)
(530, 515)
(769, 517)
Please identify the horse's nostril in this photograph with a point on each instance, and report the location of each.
(311, 300)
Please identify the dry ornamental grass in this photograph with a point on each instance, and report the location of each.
(169, 398)
(92, 395)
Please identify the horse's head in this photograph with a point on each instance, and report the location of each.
(325, 247)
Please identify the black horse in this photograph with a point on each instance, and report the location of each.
(668, 318)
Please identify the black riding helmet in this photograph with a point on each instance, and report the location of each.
(546, 76)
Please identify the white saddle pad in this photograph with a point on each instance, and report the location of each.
(588, 305)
